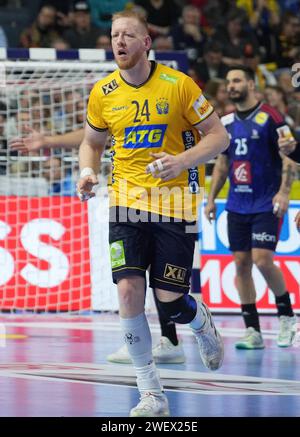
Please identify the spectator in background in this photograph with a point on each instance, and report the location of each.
(275, 96)
(18, 167)
(215, 11)
(70, 100)
(60, 44)
(80, 111)
(192, 72)
(289, 5)
(60, 181)
(103, 42)
(62, 6)
(83, 34)
(43, 31)
(212, 65)
(215, 90)
(161, 15)
(102, 10)
(10, 126)
(16, 120)
(57, 110)
(3, 39)
(36, 113)
(264, 18)
(163, 43)
(138, 9)
(284, 80)
(260, 11)
(251, 59)
(201, 5)
(187, 34)
(233, 37)
(288, 41)
(229, 107)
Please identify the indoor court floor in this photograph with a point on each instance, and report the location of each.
(55, 366)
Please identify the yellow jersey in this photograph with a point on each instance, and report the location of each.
(157, 116)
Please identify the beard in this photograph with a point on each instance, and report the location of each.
(238, 96)
(130, 62)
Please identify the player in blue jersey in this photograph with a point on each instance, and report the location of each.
(289, 146)
(260, 182)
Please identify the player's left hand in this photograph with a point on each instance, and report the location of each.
(165, 166)
(286, 145)
(280, 203)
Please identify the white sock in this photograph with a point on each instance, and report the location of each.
(148, 379)
(137, 337)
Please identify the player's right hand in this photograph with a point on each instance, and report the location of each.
(210, 211)
(85, 186)
(34, 141)
(286, 145)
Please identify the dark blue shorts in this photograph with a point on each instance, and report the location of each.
(247, 231)
(164, 246)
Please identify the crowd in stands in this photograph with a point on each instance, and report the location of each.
(263, 34)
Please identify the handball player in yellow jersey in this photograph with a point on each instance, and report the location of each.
(155, 115)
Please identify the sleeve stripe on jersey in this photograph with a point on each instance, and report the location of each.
(276, 116)
(99, 129)
(204, 117)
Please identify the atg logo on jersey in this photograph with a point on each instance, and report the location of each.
(162, 106)
(139, 137)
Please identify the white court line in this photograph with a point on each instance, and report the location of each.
(173, 380)
(114, 326)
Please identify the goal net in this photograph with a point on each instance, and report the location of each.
(53, 249)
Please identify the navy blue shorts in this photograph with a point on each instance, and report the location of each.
(164, 246)
(247, 231)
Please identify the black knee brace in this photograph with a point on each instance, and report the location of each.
(182, 310)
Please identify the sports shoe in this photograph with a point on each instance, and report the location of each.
(151, 405)
(210, 342)
(121, 356)
(166, 353)
(252, 340)
(163, 353)
(287, 331)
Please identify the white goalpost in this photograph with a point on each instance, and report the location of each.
(53, 249)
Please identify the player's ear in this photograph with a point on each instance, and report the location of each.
(148, 42)
(252, 85)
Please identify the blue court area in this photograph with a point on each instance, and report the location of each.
(55, 366)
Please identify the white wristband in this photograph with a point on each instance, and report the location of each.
(159, 164)
(86, 171)
(151, 168)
